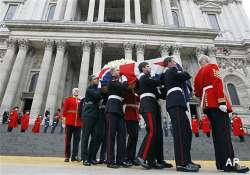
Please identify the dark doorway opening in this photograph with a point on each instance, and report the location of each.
(27, 104)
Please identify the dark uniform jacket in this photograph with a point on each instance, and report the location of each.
(175, 78)
(149, 84)
(90, 104)
(115, 87)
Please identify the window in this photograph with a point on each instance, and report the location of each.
(10, 12)
(33, 82)
(213, 21)
(176, 19)
(233, 94)
(51, 11)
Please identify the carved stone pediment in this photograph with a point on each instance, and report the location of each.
(232, 64)
(210, 5)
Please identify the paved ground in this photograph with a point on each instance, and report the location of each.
(13, 165)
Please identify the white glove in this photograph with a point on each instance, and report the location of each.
(223, 108)
(123, 79)
(142, 123)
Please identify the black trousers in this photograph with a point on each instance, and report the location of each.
(221, 136)
(133, 131)
(182, 134)
(89, 129)
(116, 132)
(152, 146)
(69, 132)
(10, 129)
(100, 131)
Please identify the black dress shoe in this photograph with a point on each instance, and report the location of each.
(135, 162)
(66, 160)
(86, 163)
(101, 161)
(74, 159)
(143, 163)
(112, 165)
(94, 162)
(165, 164)
(187, 168)
(125, 164)
(195, 164)
(156, 166)
(236, 169)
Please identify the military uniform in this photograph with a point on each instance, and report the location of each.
(55, 122)
(208, 87)
(152, 145)
(131, 101)
(238, 127)
(25, 122)
(89, 115)
(46, 123)
(176, 107)
(73, 126)
(195, 126)
(205, 125)
(13, 120)
(115, 121)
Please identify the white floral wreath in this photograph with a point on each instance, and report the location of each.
(117, 63)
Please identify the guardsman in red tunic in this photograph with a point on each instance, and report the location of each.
(13, 119)
(72, 121)
(25, 122)
(238, 127)
(37, 124)
(208, 86)
(205, 125)
(131, 100)
(195, 126)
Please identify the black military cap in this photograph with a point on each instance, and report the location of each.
(168, 59)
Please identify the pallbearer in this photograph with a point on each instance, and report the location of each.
(176, 107)
(208, 86)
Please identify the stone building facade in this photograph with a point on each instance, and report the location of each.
(47, 47)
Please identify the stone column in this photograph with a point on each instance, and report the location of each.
(186, 13)
(158, 12)
(128, 50)
(98, 57)
(70, 10)
(14, 80)
(177, 54)
(84, 71)
(127, 11)
(91, 11)
(42, 80)
(167, 13)
(55, 78)
(60, 10)
(137, 7)
(5, 67)
(140, 52)
(164, 50)
(244, 16)
(101, 11)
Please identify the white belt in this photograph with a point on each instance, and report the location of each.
(115, 97)
(147, 95)
(132, 105)
(204, 92)
(174, 89)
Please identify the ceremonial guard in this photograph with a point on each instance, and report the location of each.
(73, 125)
(238, 127)
(5, 117)
(25, 121)
(150, 154)
(205, 125)
(208, 86)
(176, 106)
(195, 126)
(115, 120)
(55, 122)
(37, 124)
(131, 100)
(46, 121)
(90, 115)
(13, 119)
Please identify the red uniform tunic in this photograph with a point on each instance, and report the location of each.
(25, 122)
(195, 125)
(205, 124)
(237, 126)
(131, 100)
(13, 119)
(37, 124)
(71, 111)
(208, 87)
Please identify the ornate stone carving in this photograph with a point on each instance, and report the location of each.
(86, 45)
(49, 44)
(231, 64)
(140, 47)
(11, 43)
(61, 44)
(128, 46)
(23, 44)
(2, 53)
(98, 46)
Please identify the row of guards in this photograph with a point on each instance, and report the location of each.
(13, 118)
(205, 125)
